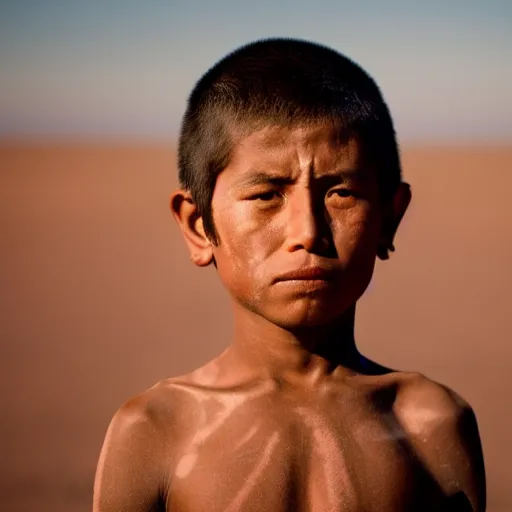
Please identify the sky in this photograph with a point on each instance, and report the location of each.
(123, 68)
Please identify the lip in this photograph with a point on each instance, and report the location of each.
(307, 274)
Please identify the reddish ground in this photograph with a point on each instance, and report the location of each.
(99, 301)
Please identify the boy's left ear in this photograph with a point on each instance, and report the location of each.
(393, 213)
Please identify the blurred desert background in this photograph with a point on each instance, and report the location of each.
(99, 301)
(98, 297)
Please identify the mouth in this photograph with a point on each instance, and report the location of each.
(307, 274)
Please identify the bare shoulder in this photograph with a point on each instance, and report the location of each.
(150, 418)
(422, 404)
(132, 468)
(155, 405)
(442, 429)
(157, 409)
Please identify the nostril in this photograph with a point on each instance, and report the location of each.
(309, 238)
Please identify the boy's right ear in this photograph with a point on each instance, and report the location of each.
(187, 216)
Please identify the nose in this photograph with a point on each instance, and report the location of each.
(306, 226)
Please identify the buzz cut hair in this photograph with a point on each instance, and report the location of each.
(284, 82)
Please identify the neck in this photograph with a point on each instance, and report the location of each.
(309, 354)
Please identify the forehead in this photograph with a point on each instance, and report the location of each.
(318, 149)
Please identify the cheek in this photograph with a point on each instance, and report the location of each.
(244, 243)
(356, 233)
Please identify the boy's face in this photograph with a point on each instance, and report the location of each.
(296, 200)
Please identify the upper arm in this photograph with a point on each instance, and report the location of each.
(129, 475)
(444, 433)
(459, 465)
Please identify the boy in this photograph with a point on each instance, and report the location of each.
(291, 188)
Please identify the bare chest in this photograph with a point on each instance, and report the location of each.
(278, 456)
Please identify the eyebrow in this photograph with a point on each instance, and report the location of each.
(264, 178)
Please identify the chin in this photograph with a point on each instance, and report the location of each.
(305, 315)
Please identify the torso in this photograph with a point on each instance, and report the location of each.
(264, 447)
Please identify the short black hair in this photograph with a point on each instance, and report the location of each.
(281, 82)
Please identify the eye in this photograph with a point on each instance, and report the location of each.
(266, 196)
(341, 192)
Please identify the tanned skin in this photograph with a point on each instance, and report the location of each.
(291, 417)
